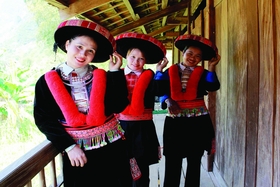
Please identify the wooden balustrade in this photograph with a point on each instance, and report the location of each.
(22, 171)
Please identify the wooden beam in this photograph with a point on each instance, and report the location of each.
(134, 16)
(179, 21)
(57, 3)
(189, 14)
(164, 19)
(107, 9)
(151, 7)
(183, 19)
(80, 7)
(152, 17)
(115, 15)
(172, 34)
(120, 20)
(130, 9)
(163, 29)
(164, 4)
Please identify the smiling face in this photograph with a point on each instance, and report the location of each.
(135, 59)
(192, 56)
(80, 51)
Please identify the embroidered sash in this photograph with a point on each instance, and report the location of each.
(95, 138)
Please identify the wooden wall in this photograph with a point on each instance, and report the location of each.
(247, 107)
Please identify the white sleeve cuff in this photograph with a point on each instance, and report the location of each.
(70, 147)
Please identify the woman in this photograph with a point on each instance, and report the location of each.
(75, 104)
(188, 130)
(137, 119)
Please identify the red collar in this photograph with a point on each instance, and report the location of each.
(136, 105)
(175, 83)
(73, 117)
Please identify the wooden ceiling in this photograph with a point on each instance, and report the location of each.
(162, 19)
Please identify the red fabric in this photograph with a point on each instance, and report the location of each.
(73, 117)
(176, 87)
(136, 105)
(96, 113)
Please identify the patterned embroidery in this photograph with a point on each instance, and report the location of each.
(185, 75)
(131, 80)
(79, 92)
(135, 170)
(194, 112)
(96, 137)
(191, 108)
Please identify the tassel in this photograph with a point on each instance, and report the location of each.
(55, 46)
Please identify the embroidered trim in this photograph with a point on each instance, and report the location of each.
(135, 170)
(136, 105)
(95, 138)
(176, 87)
(191, 108)
(73, 117)
(194, 112)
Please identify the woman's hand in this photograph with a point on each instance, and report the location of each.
(213, 62)
(162, 64)
(173, 107)
(77, 157)
(115, 62)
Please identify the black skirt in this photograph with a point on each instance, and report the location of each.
(142, 141)
(107, 166)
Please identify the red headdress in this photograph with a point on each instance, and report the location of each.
(208, 48)
(153, 48)
(70, 28)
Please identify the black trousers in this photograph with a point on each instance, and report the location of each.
(173, 166)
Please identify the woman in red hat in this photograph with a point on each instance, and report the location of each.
(75, 104)
(188, 130)
(137, 119)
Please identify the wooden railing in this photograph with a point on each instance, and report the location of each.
(34, 164)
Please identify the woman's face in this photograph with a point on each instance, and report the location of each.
(135, 60)
(80, 51)
(192, 56)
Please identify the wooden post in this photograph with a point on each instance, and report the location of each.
(190, 16)
(212, 96)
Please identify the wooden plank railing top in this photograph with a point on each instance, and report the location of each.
(28, 166)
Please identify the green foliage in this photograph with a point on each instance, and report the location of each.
(26, 55)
